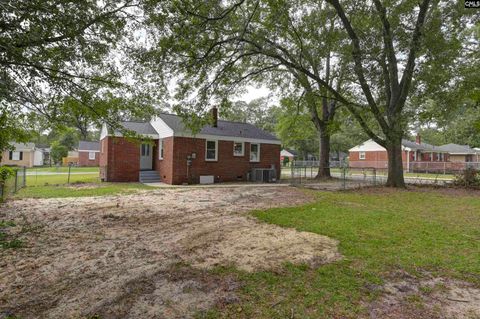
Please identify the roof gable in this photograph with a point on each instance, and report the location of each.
(88, 146)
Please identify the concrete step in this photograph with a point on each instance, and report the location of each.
(149, 177)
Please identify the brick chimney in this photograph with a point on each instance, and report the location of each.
(214, 116)
(418, 139)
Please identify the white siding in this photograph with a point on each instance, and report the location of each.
(368, 146)
(161, 127)
(37, 158)
(104, 132)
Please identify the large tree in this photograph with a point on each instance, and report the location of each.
(213, 49)
(53, 49)
(393, 47)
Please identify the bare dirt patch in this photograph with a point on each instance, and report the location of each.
(115, 256)
(84, 185)
(430, 297)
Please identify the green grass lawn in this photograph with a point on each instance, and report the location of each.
(379, 234)
(286, 173)
(79, 190)
(87, 184)
(43, 180)
(62, 169)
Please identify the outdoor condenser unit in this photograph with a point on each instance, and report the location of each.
(263, 175)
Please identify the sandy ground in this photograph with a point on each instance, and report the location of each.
(145, 255)
(408, 297)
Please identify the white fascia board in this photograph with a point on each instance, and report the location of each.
(229, 138)
(88, 151)
(152, 136)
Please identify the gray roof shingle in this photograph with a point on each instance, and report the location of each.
(138, 127)
(224, 128)
(88, 146)
(457, 149)
(422, 146)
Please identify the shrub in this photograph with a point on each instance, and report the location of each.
(5, 173)
(469, 178)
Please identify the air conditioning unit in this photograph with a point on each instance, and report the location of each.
(263, 175)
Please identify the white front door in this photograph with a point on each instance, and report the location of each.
(145, 157)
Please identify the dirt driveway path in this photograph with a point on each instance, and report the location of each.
(144, 255)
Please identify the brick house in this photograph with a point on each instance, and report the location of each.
(416, 156)
(88, 153)
(461, 153)
(170, 153)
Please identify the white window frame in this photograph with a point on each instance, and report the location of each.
(15, 155)
(243, 149)
(90, 157)
(361, 155)
(160, 149)
(258, 151)
(216, 151)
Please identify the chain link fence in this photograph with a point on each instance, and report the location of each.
(304, 173)
(61, 175)
(14, 183)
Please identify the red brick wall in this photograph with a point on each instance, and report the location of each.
(83, 159)
(376, 159)
(227, 167)
(379, 159)
(164, 167)
(119, 160)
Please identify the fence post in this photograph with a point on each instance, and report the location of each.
(69, 168)
(344, 176)
(24, 176)
(374, 177)
(16, 180)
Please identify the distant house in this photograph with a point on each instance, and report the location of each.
(171, 153)
(88, 153)
(287, 156)
(23, 154)
(461, 153)
(415, 155)
(70, 159)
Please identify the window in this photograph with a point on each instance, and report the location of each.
(361, 155)
(91, 155)
(254, 152)
(238, 149)
(145, 149)
(211, 150)
(160, 149)
(15, 156)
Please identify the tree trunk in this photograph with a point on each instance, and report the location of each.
(395, 164)
(324, 155)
